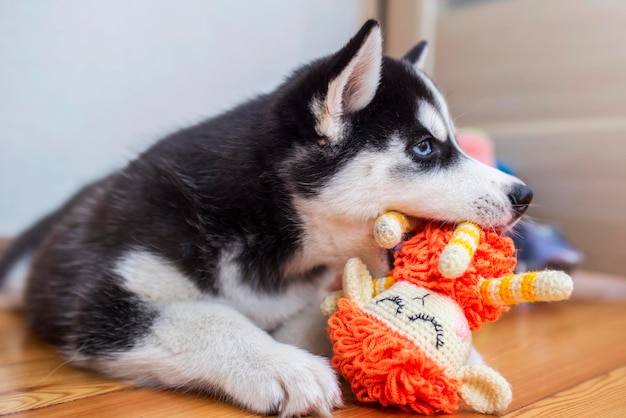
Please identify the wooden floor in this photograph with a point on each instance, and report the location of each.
(563, 360)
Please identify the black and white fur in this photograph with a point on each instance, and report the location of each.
(201, 264)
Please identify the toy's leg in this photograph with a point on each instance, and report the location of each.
(484, 390)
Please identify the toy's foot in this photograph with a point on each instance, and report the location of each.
(484, 390)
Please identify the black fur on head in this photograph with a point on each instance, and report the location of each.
(394, 103)
(292, 108)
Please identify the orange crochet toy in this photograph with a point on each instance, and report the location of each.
(405, 340)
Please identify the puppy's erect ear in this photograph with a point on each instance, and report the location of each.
(357, 67)
(417, 55)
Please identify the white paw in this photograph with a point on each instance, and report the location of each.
(289, 383)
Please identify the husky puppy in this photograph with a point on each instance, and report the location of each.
(201, 264)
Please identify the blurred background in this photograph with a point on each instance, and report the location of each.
(87, 85)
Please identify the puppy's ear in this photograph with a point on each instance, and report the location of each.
(417, 55)
(355, 74)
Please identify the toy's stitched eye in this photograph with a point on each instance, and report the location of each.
(439, 342)
(423, 148)
(395, 299)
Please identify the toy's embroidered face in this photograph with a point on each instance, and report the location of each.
(432, 321)
(419, 316)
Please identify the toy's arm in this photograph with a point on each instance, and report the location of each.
(536, 286)
(459, 252)
(390, 227)
(456, 256)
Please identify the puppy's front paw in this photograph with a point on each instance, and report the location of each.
(291, 383)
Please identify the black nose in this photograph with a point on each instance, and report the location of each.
(520, 197)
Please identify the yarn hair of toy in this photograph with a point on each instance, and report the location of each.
(384, 367)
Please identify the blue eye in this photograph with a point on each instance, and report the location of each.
(423, 148)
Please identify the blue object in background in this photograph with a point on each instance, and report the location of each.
(543, 247)
(540, 246)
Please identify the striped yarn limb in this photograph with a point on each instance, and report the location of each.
(382, 284)
(536, 286)
(390, 227)
(459, 252)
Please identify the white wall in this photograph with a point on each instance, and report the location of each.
(86, 85)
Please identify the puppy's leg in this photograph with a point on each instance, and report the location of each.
(211, 347)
